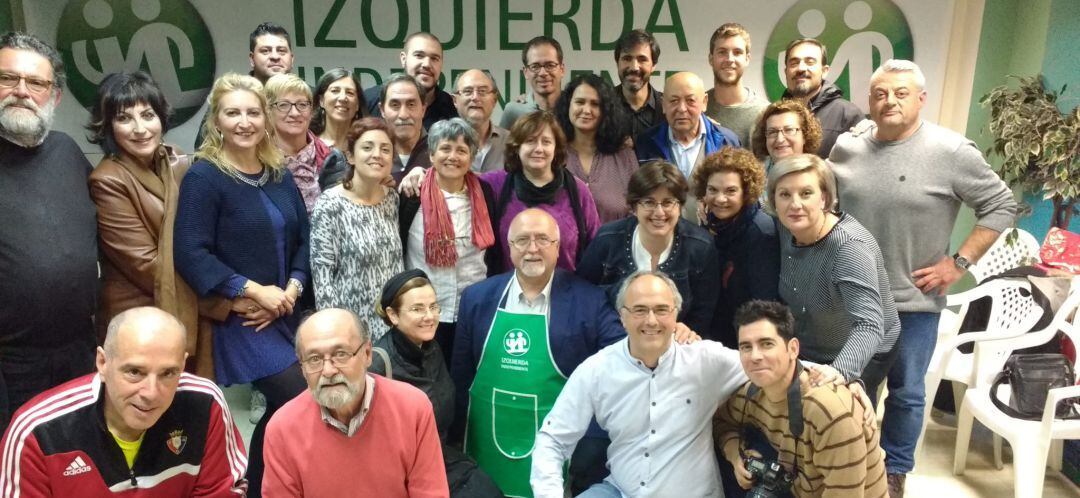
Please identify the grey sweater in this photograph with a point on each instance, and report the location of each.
(907, 193)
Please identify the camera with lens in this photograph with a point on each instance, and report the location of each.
(771, 480)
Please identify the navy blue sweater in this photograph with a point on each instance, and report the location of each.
(222, 229)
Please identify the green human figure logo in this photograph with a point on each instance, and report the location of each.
(860, 35)
(166, 38)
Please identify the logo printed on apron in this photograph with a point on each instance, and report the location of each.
(515, 387)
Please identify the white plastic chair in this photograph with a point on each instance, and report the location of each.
(1012, 312)
(1002, 256)
(1017, 314)
(1031, 441)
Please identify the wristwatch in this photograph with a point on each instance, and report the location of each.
(961, 262)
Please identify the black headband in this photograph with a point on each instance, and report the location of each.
(392, 286)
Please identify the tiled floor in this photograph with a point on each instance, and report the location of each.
(933, 476)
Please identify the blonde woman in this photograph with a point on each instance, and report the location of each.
(242, 233)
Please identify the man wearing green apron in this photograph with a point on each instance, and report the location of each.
(519, 336)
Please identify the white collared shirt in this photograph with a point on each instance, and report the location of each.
(358, 419)
(470, 268)
(659, 420)
(516, 302)
(686, 155)
(642, 257)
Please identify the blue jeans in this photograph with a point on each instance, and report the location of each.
(601, 490)
(902, 424)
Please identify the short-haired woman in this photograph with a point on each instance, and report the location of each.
(728, 184)
(290, 112)
(658, 238)
(536, 176)
(135, 187)
(832, 275)
(447, 230)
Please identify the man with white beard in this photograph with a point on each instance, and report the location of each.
(48, 240)
(381, 429)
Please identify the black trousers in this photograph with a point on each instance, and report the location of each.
(278, 389)
(25, 373)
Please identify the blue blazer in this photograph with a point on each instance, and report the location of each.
(653, 143)
(582, 323)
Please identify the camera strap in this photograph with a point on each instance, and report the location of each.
(795, 414)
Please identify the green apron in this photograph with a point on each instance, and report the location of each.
(515, 387)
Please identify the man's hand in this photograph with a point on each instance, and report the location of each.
(410, 184)
(521, 99)
(939, 276)
(859, 392)
(742, 475)
(683, 334)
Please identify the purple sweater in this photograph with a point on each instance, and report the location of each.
(561, 210)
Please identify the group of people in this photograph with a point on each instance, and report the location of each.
(584, 298)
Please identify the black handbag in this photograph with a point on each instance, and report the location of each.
(1030, 378)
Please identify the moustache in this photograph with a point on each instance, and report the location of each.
(634, 72)
(404, 122)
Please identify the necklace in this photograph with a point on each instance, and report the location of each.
(257, 183)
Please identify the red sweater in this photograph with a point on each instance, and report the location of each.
(395, 452)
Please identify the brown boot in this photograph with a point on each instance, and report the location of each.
(896, 485)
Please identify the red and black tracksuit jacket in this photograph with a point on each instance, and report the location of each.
(57, 445)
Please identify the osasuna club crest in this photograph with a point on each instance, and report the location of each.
(176, 442)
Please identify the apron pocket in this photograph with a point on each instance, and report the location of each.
(514, 422)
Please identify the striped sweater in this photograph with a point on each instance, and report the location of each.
(839, 292)
(838, 452)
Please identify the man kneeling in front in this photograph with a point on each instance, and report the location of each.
(138, 428)
(355, 434)
(826, 441)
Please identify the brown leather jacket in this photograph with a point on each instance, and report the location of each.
(132, 206)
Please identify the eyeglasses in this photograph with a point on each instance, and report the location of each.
(536, 67)
(787, 131)
(480, 91)
(650, 204)
(421, 310)
(34, 85)
(283, 106)
(522, 243)
(643, 311)
(314, 363)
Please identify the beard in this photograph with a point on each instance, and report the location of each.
(636, 85)
(335, 397)
(803, 88)
(26, 128)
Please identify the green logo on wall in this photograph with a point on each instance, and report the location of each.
(166, 38)
(860, 35)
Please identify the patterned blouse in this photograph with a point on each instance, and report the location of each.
(355, 249)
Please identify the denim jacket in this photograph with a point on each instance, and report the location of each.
(693, 264)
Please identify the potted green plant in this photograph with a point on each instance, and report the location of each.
(1038, 143)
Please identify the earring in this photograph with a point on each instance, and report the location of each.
(221, 134)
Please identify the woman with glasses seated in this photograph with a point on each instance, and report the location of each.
(355, 245)
(658, 238)
(410, 307)
(290, 113)
(785, 128)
